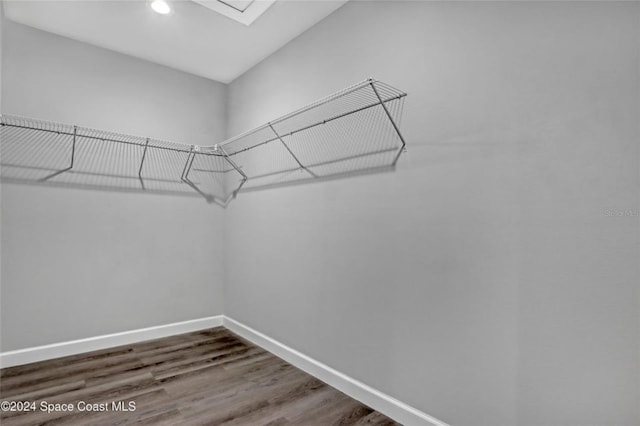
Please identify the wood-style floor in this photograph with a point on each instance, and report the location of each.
(207, 377)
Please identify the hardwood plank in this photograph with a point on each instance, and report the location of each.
(376, 419)
(208, 377)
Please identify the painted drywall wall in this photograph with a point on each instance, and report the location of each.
(82, 263)
(493, 278)
(1, 30)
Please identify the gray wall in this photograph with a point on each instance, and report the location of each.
(489, 281)
(1, 31)
(1, 44)
(78, 263)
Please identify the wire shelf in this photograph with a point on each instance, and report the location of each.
(353, 131)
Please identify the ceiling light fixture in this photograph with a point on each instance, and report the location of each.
(161, 7)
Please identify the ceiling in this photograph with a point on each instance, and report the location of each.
(192, 38)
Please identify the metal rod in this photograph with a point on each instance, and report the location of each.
(325, 100)
(97, 138)
(144, 154)
(73, 153)
(211, 198)
(328, 120)
(193, 157)
(185, 175)
(291, 152)
(184, 169)
(233, 164)
(234, 194)
(377, 169)
(305, 108)
(326, 163)
(73, 146)
(238, 169)
(344, 115)
(373, 86)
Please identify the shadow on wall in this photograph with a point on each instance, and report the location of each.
(52, 154)
(352, 132)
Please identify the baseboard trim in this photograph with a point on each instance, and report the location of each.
(57, 350)
(387, 405)
(377, 400)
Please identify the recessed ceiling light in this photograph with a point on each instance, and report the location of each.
(161, 7)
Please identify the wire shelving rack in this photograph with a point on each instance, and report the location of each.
(353, 131)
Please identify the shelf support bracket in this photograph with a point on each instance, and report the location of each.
(291, 152)
(73, 154)
(393, 123)
(144, 154)
(187, 169)
(187, 165)
(238, 169)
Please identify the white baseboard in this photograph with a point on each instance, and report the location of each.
(375, 399)
(56, 350)
(387, 405)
